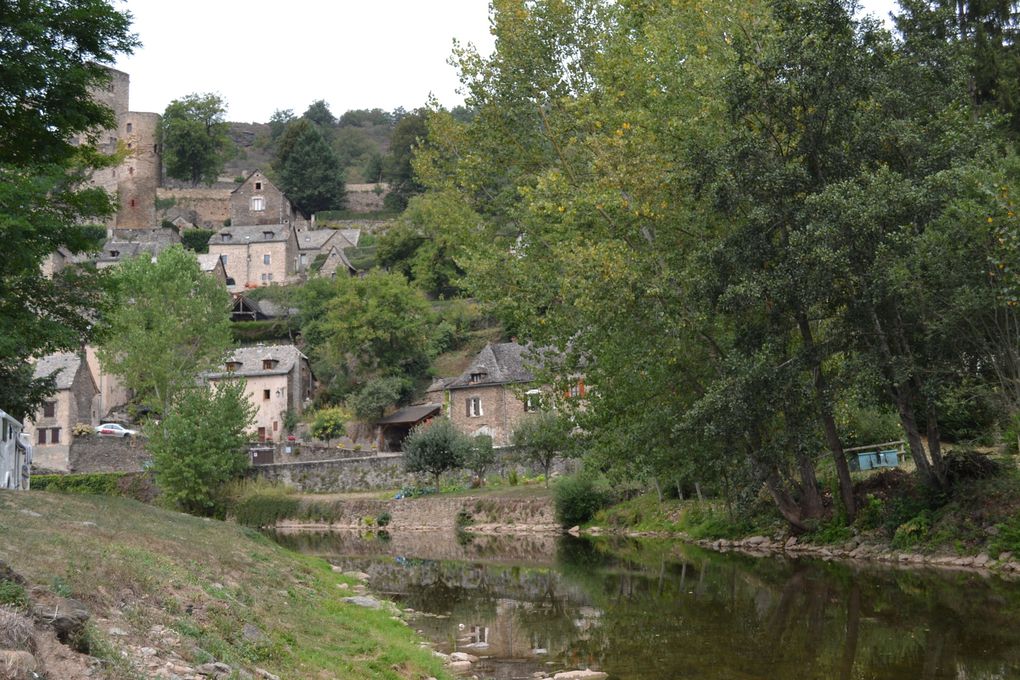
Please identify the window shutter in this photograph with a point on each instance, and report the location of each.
(467, 409)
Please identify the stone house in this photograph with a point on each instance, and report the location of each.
(256, 256)
(490, 397)
(51, 428)
(213, 266)
(126, 244)
(257, 201)
(278, 379)
(335, 261)
(112, 393)
(313, 243)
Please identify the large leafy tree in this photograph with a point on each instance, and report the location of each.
(409, 131)
(199, 445)
(195, 140)
(310, 172)
(52, 56)
(436, 447)
(542, 437)
(168, 323)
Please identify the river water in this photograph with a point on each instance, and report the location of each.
(658, 611)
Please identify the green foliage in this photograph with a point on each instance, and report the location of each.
(577, 499)
(169, 324)
(195, 140)
(480, 456)
(55, 55)
(370, 402)
(913, 532)
(264, 510)
(383, 519)
(267, 330)
(397, 169)
(708, 521)
(833, 532)
(99, 483)
(540, 437)
(434, 448)
(200, 445)
(197, 240)
(290, 421)
(13, 594)
(329, 423)
(310, 173)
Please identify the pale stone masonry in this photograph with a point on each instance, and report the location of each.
(278, 379)
(257, 201)
(51, 429)
(255, 256)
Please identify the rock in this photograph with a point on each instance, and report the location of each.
(981, 560)
(1005, 556)
(147, 651)
(462, 656)
(252, 634)
(459, 666)
(581, 675)
(363, 601)
(343, 586)
(790, 542)
(89, 524)
(17, 665)
(755, 540)
(357, 575)
(8, 574)
(574, 530)
(117, 632)
(65, 616)
(30, 513)
(265, 675)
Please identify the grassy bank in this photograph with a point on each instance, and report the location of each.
(200, 591)
(981, 514)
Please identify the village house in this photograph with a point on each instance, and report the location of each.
(278, 380)
(51, 429)
(256, 256)
(257, 201)
(127, 244)
(321, 252)
(112, 393)
(212, 265)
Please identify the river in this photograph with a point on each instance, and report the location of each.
(658, 611)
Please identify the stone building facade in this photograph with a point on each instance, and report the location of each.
(51, 428)
(257, 201)
(134, 181)
(255, 256)
(278, 379)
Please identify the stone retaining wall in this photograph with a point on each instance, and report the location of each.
(93, 453)
(384, 471)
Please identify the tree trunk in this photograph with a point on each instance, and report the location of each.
(788, 507)
(697, 489)
(811, 501)
(846, 485)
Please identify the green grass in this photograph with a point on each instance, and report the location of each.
(106, 551)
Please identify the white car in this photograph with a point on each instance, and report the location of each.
(114, 430)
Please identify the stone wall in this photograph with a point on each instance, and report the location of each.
(107, 454)
(500, 411)
(385, 471)
(275, 207)
(207, 208)
(366, 197)
(140, 172)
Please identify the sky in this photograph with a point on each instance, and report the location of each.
(263, 55)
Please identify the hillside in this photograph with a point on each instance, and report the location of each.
(169, 592)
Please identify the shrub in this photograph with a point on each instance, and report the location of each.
(82, 430)
(97, 484)
(383, 519)
(264, 511)
(13, 594)
(328, 424)
(435, 448)
(577, 499)
(197, 240)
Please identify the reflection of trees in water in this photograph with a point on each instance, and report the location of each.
(737, 617)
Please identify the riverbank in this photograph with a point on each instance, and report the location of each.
(174, 596)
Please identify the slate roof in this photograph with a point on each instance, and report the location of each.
(207, 261)
(499, 364)
(317, 239)
(131, 243)
(251, 234)
(411, 414)
(352, 235)
(246, 180)
(251, 359)
(62, 365)
(343, 259)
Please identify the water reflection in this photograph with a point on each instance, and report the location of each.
(644, 611)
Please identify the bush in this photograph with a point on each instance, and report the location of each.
(577, 499)
(383, 519)
(264, 511)
(97, 484)
(435, 448)
(13, 594)
(328, 424)
(197, 240)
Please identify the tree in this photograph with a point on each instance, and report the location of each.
(371, 401)
(434, 448)
(168, 324)
(480, 456)
(328, 424)
(278, 123)
(540, 438)
(409, 131)
(200, 445)
(318, 112)
(310, 173)
(54, 55)
(195, 141)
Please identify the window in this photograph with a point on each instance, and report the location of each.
(258, 186)
(533, 400)
(276, 425)
(114, 253)
(266, 259)
(232, 366)
(49, 409)
(54, 435)
(262, 434)
(133, 203)
(269, 364)
(474, 407)
(263, 277)
(131, 171)
(226, 237)
(129, 127)
(304, 260)
(265, 394)
(477, 377)
(41, 437)
(267, 235)
(258, 203)
(270, 275)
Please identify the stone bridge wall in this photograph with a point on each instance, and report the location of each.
(93, 453)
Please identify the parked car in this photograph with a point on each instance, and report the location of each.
(114, 430)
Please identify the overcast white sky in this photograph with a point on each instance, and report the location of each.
(263, 55)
